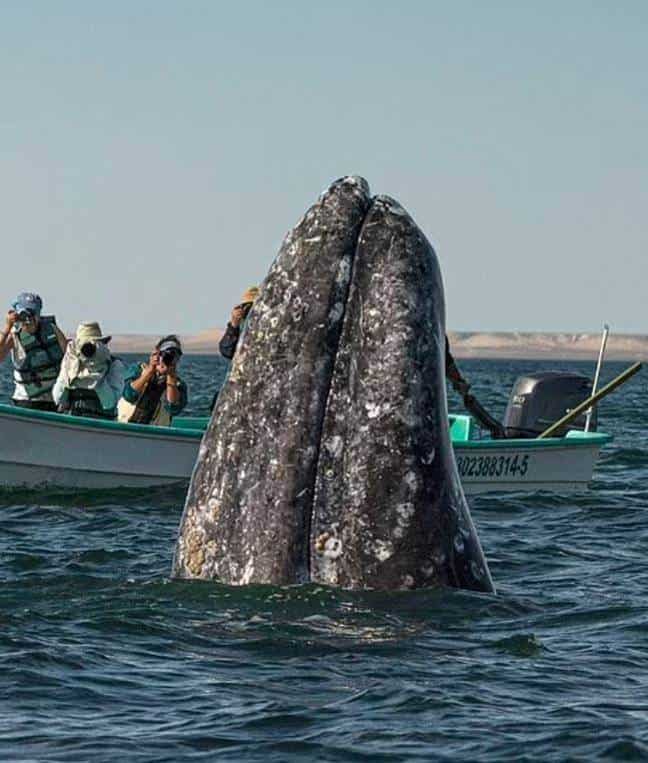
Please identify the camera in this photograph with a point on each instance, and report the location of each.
(22, 317)
(246, 307)
(88, 349)
(169, 357)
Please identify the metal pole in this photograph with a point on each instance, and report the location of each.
(581, 407)
(606, 331)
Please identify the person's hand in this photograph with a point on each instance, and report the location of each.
(237, 316)
(10, 320)
(151, 366)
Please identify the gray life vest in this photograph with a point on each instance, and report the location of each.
(36, 360)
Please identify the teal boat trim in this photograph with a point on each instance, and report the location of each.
(463, 430)
(111, 426)
(573, 439)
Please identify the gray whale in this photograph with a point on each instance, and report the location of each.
(328, 456)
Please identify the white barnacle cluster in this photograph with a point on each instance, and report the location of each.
(373, 410)
(332, 548)
(411, 479)
(334, 445)
(298, 309)
(382, 549)
(328, 549)
(404, 514)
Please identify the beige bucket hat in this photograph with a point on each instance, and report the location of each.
(90, 332)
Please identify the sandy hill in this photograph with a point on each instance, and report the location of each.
(465, 344)
(547, 345)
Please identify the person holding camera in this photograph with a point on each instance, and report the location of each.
(153, 392)
(229, 340)
(37, 346)
(91, 378)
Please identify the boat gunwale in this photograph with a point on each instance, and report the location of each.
(582, 440)
(115, 427)
(574, 439)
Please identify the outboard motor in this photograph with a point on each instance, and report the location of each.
(539, 400)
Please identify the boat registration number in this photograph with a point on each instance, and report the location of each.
(493, 466)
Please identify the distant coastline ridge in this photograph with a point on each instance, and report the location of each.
(465, 344)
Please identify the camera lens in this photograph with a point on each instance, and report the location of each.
(168, 357)
(88, 350)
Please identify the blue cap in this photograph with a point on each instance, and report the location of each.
(28, 301)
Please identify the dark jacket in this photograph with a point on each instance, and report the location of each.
(229, 340)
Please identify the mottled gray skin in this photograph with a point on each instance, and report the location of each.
(389, 510)
(248, 508)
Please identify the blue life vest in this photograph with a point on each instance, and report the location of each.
(36, 360)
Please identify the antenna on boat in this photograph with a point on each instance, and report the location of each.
(604, 338)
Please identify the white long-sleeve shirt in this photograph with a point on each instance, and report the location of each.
(107, 383)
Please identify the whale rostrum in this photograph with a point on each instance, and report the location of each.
(328, 456)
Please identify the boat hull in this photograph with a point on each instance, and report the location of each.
(62, 451)
(52, 450)
(519, 467)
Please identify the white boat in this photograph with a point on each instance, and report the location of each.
(553, 463)
(39, 449)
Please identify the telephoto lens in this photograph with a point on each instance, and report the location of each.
(88, 350)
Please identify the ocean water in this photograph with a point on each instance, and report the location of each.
(103, 658)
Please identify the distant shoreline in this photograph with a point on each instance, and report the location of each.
(465, 344)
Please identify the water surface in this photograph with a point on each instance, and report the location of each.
(103, 658)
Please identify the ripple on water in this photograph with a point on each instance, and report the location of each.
(103, 658)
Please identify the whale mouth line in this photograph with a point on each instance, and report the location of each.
(305, 575)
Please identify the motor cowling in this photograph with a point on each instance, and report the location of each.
(539, 400)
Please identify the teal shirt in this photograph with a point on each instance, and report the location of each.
(132, 396)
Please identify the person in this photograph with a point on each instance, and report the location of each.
(230, 339)
(240, 312)
(91, 378)
(37, 346)
(453, 375)
(153, 392)
(472, 405)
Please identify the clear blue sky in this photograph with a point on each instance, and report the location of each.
(153, 154)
